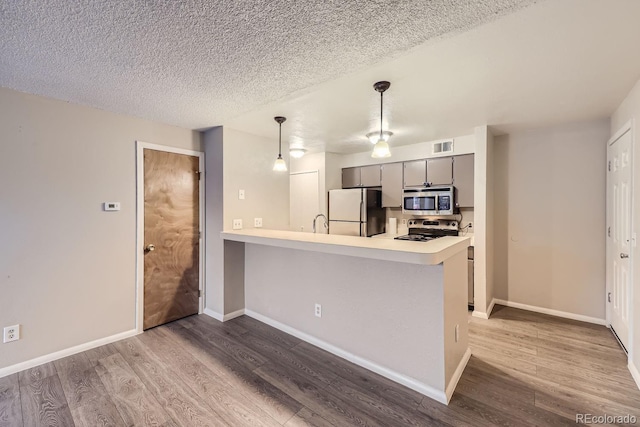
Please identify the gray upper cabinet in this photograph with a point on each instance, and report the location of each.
(350, 177)
(370, 176)
(415, 173)
(463, 171)
(392, 185)
(440, 171)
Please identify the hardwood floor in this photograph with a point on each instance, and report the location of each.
(527, 369)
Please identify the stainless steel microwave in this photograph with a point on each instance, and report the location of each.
(428, 201)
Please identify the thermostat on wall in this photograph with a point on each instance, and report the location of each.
(111, 206)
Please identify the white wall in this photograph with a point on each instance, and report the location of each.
(236, 160)
(628, 110)
(67, 269)
(550, 218)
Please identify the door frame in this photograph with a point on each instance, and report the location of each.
(627, 127)
(140, 146)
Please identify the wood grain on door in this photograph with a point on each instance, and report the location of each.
(171, 226)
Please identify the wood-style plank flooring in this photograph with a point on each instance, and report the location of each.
(527, 369)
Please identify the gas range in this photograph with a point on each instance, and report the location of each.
(423, 230)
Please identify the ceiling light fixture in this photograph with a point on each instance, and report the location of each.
(280, 165)
(381, 149)
(375, 136)
(297, 152)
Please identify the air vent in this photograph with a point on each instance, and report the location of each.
(442, 147)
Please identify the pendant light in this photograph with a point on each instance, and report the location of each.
(280, 165)
(381, 149)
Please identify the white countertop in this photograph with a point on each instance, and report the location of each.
(428, 253)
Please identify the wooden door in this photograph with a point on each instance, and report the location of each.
(440, 171)
(463, 171)
(370, 176)
(619, 234)
(350, 177)
(171, 236)
(392, 185)
(415, 173)
(304, 202)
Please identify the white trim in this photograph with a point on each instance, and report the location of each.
(624, 129)
(233, 315)
(303, 172)
(552, 312)
(632, 368)
(64, 353)
(413, 384)
(457, 374)
(140, 146)
(480, 314)
(213, 314)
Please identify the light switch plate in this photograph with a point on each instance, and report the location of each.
(237, 224)
(111, 206)
(241, 194)
(257, 222)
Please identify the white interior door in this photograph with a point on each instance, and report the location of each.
(619, 235)
(304, 201)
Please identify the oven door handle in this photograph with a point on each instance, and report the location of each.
(437, 205)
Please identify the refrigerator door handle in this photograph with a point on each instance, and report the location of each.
(361, 215)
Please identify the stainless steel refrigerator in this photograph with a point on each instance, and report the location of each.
(356, 212)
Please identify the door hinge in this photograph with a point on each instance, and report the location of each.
(609, 297)
(199, 293)
(609, 166)
(609, 231)
(199, 175)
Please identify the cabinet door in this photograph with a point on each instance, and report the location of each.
(370, 176)
(415, 173)
(440, 171)
(463, 180)
(350, 177)
(392, 185)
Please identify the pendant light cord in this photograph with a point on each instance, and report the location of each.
(381, 95)
(280, 141)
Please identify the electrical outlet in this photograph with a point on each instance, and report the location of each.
(11, 333)
(404, 221)
(318, 311)
(241, 194)
(237, 224)
(457, 332)
(257, 222)
(470, 225)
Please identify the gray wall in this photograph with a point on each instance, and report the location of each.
(550, 218)
(67, 269)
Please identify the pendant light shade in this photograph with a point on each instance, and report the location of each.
(381, 149)
(280, 165)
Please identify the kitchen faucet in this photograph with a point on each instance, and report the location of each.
(326, 225)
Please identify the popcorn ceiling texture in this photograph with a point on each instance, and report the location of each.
(198, 63)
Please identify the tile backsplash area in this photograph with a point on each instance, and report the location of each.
(467, 217)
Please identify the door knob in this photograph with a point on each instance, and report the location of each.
(150, 248)
(623, 256)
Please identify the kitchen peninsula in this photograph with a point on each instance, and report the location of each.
(398, 308)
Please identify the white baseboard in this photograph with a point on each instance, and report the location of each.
(552, 312)
(486, 315)
(634, 373)
(451, 387)
(233, 315)
(413, 384)
(214, 314)
(64, 353)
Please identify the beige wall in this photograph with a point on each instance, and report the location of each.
(67, 268)
(628, 110)
(550, 218)
(236, 160)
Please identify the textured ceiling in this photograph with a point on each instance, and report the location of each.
(200, 63)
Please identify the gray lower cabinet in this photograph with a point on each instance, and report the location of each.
(463, 170)
(392, 185)
(350, 177)
(440, 171)
(370, 176)
(415, 173)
